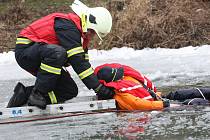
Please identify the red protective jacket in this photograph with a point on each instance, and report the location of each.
(42, 30)
(124, 85)
(130, 94)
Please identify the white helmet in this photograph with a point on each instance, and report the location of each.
(99, 18)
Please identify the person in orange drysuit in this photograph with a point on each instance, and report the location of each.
(133, 91)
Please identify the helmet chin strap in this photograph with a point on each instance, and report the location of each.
(100, 42)
(95, 42)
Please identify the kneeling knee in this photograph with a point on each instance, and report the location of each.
(60, 54)
(57, 54)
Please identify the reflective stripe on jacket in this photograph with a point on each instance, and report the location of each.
(129, 101)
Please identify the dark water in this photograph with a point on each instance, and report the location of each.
(190, 123)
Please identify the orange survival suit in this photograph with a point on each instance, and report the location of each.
(131, 87)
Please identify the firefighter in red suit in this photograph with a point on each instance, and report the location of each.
(57, 40)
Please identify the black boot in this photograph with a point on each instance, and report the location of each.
(37, 99)
(20, 96)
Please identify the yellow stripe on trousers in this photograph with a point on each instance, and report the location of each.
(52, 97)
(50, 69)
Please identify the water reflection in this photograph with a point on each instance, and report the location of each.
(189, 122)
(135, 125)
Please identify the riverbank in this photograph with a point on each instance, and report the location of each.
(136, 24)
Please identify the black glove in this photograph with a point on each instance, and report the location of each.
(166, 103)
(104, 92)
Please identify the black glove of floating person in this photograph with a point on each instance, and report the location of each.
(104, 92)
(166, 103)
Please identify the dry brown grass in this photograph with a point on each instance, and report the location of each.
(10, 21)
(19, 13)
(161, 23)
(136, 23)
